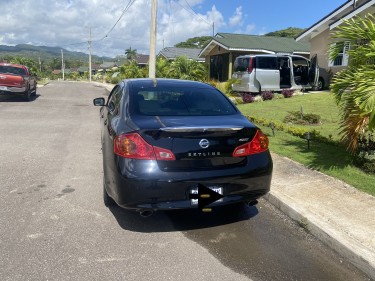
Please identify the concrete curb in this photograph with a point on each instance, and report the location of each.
(355, 252)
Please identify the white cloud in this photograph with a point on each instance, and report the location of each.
(236, 19)
(64, 23)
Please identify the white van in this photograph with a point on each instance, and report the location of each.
(257, 73)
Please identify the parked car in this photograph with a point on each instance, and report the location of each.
(323, 80)
(164, 139)
(257, 73)
(16, 79)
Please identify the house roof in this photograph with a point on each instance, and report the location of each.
(108, 64)
(255, 43)
(346, 11)
(142, 59)
(171, 53)
(83, 69)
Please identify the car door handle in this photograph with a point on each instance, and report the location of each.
(102, 115)
(105, 122)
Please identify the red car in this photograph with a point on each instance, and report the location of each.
(16, 79)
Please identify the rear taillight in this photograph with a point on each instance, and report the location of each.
(251, 65)
(258, 144)
(134, 146)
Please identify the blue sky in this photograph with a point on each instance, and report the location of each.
(119, 24)
(270, 15)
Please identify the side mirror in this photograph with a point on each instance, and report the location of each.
(99, 102)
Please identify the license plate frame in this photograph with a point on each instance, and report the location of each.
(217, 188)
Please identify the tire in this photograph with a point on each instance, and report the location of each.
(108, 201)
(33, 93)
(320, 85)
(27, 95)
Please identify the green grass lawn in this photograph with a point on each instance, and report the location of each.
(321, 103)
(332, 160)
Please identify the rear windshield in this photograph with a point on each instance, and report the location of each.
(241, 64)
(180, 101)
(12, 70)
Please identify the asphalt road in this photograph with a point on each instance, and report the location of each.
(54, 226)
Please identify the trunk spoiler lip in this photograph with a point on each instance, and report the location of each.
(202, 129)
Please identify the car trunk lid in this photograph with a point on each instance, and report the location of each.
(199, 145)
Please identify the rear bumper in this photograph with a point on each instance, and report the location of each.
(163, 191)
(12, 90)
(248, 88)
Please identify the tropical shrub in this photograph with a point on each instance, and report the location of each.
(365, 155)
(247, 98)
(287, 93)
(354, 87)
(267, 95)
(296, 117)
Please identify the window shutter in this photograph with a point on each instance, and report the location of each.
(345, 58)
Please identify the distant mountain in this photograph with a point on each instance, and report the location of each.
(46, 53)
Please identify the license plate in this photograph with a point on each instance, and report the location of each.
(3, 88)
(217, 189)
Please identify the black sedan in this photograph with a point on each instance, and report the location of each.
(173, 144)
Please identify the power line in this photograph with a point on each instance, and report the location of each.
(130, 3)
(191, 11)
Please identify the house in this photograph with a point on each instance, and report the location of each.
(142, 60)
(224, 48)
(81, 70)
(171, 53)
(108, 65)
(319, 34)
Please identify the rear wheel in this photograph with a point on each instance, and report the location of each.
(108, 201)
(320, 85)
(27, 95)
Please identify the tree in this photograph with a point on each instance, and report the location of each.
(183, 68)
(131, 70)
(131, 54)
(30, 63)
(162, 67)
(195, 42)
(354, 87)
(291, 32)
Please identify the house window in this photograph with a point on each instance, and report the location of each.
(343, 57)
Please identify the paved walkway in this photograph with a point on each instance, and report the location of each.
(334, 212)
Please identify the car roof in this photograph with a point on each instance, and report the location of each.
(12, 64)
(272, 55)
(163, 82)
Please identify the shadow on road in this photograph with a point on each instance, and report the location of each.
(182, 220)
(7, 98)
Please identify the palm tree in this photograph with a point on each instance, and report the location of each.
(131, 54)
(354, 87)
(162, 67)
(183, 68)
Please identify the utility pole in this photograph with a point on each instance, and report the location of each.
(152, 60)
(90, 55)
(62, 65)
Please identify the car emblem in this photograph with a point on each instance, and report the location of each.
(204, 143)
